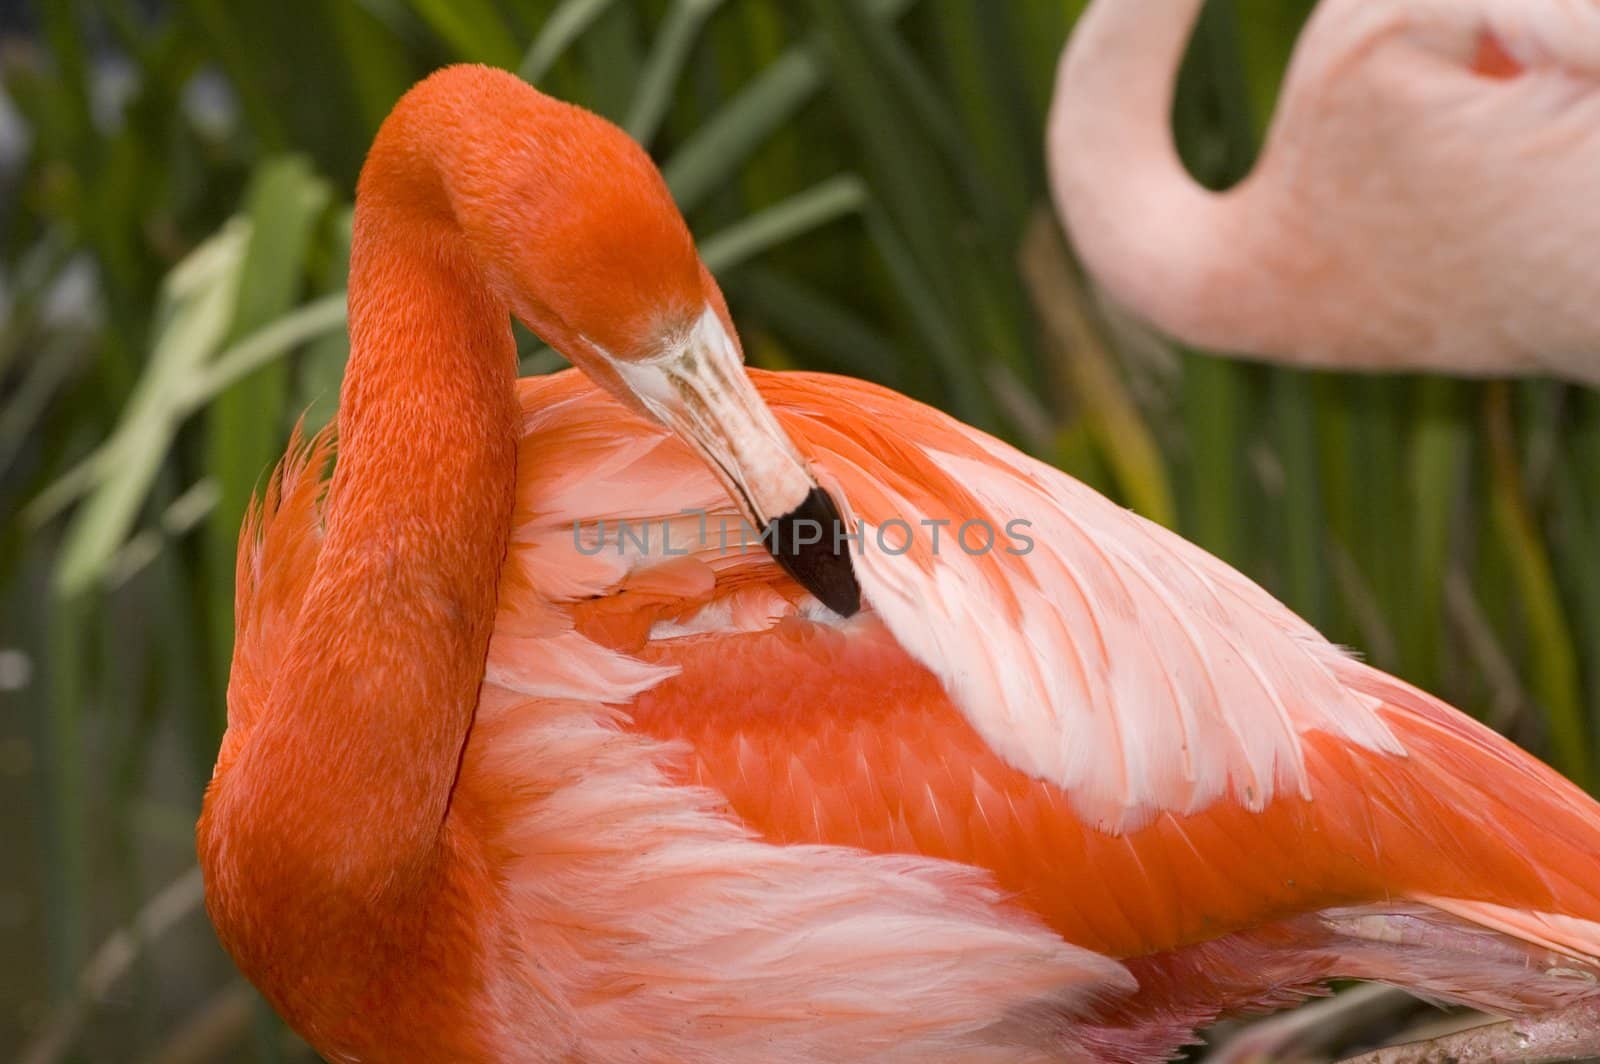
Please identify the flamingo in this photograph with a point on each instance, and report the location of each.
(1422, 201)
(533, 756)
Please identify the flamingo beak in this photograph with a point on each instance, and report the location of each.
(698, 388)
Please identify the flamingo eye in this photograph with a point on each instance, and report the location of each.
(1493, 61)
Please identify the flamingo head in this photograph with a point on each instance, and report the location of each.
(579, 234)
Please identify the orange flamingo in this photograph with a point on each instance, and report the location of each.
(1422, 201)
(502, 784)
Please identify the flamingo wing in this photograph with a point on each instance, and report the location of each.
(1088, 647)
(1140, 745)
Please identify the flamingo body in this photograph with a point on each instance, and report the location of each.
(502, 783)
(1420, 202)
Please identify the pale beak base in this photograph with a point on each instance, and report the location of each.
(699, 390)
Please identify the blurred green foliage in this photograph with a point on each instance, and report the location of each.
(862, 175)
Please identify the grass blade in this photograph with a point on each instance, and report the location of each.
(1124, 441)
(1554, 664)
(1304, 581)
(720, 146)
(662, 69)
(197, 309)
(819, 205)
(312, 321)
(473, 28)
(829, 332)
(244, 424)
(560, 31)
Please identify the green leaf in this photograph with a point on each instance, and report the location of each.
(1439, 451)
(245, 423)
(711, 157)
(560, 30)
(815, 207)
(1554, 665)
(473, 28)
(1088, 370)
(664, 67)
(195, 312)
(829, 331)
(611, 62)
(310, 322)
(1305, 582)
(968, 396)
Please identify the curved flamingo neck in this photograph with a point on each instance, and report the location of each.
(1160, 243)
(337, 846)
(480, 198)
(332, 817)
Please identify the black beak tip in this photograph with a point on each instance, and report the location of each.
(812, 544)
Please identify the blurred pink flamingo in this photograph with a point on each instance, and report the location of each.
(1425, 199)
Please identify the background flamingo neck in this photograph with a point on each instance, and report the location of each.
(1160, 243)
